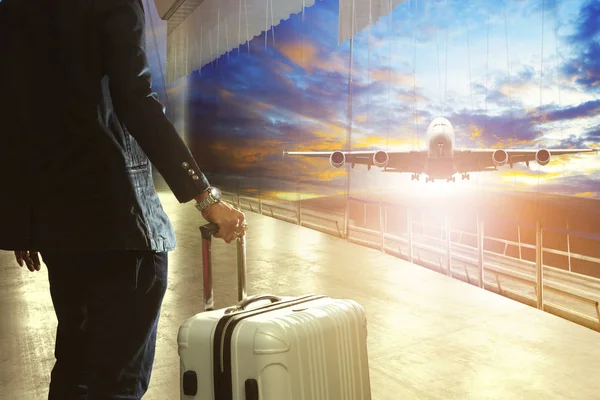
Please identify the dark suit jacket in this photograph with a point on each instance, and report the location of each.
(79, 125)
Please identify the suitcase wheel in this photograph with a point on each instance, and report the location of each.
(251, 389)
(190, 383)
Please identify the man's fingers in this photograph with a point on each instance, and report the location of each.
(19, 257)
(229, 237)
(228, 231)
(226, 234)
(241, 219)
(35, 256)
(29, 258)
(28, 261)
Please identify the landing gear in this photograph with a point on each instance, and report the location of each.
(452, 179)
(414, 177)
(466, 176)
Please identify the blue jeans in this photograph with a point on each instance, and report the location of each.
(107, 305)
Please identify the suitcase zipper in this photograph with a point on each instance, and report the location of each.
(246, 314)
(223, 385)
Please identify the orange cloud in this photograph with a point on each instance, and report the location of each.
(292, 196)
(396, 78)
(306, 55)
(331, 174)
(245, 152)
(225, 94)
(476, 132)
(381, 141)
(526, 177)
(586, 194)
(522, 88)
(509, 142)
(249, 153)
(410, 98)
(303, 54)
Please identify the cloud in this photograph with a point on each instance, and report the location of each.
(587, 194)
(504, 130)
(583, 67)
(584, 110)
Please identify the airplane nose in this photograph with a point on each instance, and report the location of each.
(441, 139)
(441, 146)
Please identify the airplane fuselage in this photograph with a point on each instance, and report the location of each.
(440, 155)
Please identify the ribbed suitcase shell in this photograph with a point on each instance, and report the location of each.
(313, 350)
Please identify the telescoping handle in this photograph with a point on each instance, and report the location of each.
(207, 232)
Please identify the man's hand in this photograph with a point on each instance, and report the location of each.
(31, 259)
(229, 219)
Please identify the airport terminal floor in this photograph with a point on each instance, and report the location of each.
(430, 336)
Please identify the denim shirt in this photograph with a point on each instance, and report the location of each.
(80, 129)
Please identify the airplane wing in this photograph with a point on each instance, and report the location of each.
(392, 161)
(472, 160)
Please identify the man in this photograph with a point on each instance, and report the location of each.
(79, 126)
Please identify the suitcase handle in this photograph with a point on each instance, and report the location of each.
(207, 232)
(253, 299)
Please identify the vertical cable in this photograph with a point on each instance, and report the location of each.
(369, 59)
(350, 118)
(446, 68)
(469, 61)
(227, 37)
(446, 77)
(542, 56)
(201, 44)
(266, 23)
(487, 64)
(510, 104)
(239, 28)
(303, 31)
(509, 75)
(557, 53)
(415, 112)
(558, 78)
(218, 34)
(212, 56)
(541, 83)
(387, 141)
(247, 31)
(272, 24)
(437, 47)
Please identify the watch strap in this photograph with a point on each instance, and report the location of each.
(208, 201)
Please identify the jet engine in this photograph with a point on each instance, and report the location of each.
(500, 157)
(381, 159)
(337, 159)
(542, 157)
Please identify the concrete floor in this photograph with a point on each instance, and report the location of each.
(430, 337)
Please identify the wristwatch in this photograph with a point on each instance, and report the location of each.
(214, 196)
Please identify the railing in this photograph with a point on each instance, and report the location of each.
(567, 294)
(293, 213)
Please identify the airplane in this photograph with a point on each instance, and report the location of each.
(440, 160)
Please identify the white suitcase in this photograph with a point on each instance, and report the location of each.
(292, 348)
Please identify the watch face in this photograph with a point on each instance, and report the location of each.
(216, 193)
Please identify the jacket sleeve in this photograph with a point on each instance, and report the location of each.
(122, 41)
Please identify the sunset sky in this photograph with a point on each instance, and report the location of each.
(244, 109)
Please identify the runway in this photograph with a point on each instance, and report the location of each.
(430, 336)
